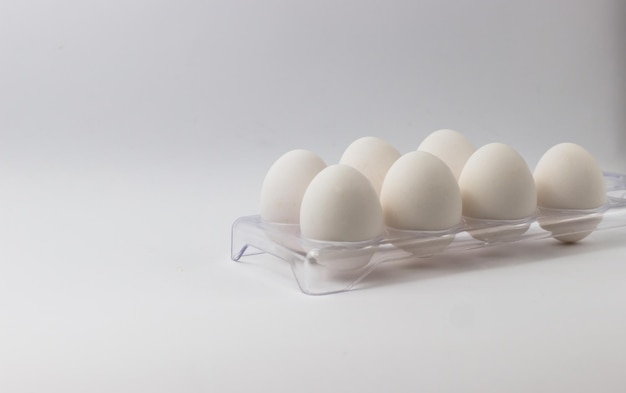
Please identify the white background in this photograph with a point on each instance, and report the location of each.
(133, 133)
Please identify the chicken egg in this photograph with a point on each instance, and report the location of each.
(497, 185)
(451, 147)
(569, 178)
(281, 195)
(285, 183)
(420, 193)
(340, 205)
(372, 157)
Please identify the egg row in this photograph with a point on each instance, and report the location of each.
(429, 189)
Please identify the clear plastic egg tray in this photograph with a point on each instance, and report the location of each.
(329, 267)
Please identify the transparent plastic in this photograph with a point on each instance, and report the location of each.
(330, 267)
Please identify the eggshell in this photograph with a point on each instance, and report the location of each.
(568, 177)
(372, 157)
(451, 147)
(496, 184)
(340, 205)
(285, 183)
(420, 193)
(281, 195)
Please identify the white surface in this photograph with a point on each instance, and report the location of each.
(134, 133)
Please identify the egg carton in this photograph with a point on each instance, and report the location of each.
(322, 268)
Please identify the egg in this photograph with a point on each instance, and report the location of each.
(451, 147)
(497, 185)
(420, 193)
(281, 196)
(285, 183)
(372, 157)
(569, 178)
(340, 205)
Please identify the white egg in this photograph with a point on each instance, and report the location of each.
(569, 178)
(285, 183)
(451, 147)
(372, 157)
(420, 193)
(340, 205)
(496, 184)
